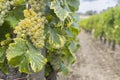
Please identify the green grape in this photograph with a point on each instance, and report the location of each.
(6, 41)
(32, 28)
(37, 5)
(4, 9)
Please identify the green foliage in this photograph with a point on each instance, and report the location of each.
(15, 16)
(105, 24)
(55, 39)
(2, 55)
(3, 65)
(4, 29)
(59, 11)
(73, 5)
(22, 53)
(60, 29)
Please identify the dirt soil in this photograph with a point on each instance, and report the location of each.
(95, 61)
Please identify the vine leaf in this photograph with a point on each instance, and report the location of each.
(36, 60)
(75, 29)
(4, 29)
(2, 55)
(18, 2)
(69, 56)
(73, 4)
(12, 21)
(73, 47)
(56, 40)
(64, 69)
(23, 55)
(13, 18)
(24, 66)
(60, 12)
(16, 49)
(3, 65)
(16, 61)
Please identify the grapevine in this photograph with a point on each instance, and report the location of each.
(105, 25)
(37, 36)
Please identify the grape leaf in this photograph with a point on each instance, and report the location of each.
(18, 2)
(36, 59)
(16, 61)
(4, 67)
(2, 55)
(4, 29)
(60, 12)
(73, 46)
(56, 40)
(16, 49)
(73, 4)
(64, 69)
(15, 16)
(22, 54)
(24, 65)
(75, 29)
(69, 56)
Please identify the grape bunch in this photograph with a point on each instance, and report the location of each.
(4, 9)
(32, 28)
(37, 5)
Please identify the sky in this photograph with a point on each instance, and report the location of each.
(98, 5)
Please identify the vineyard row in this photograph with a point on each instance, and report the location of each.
(105, 26)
